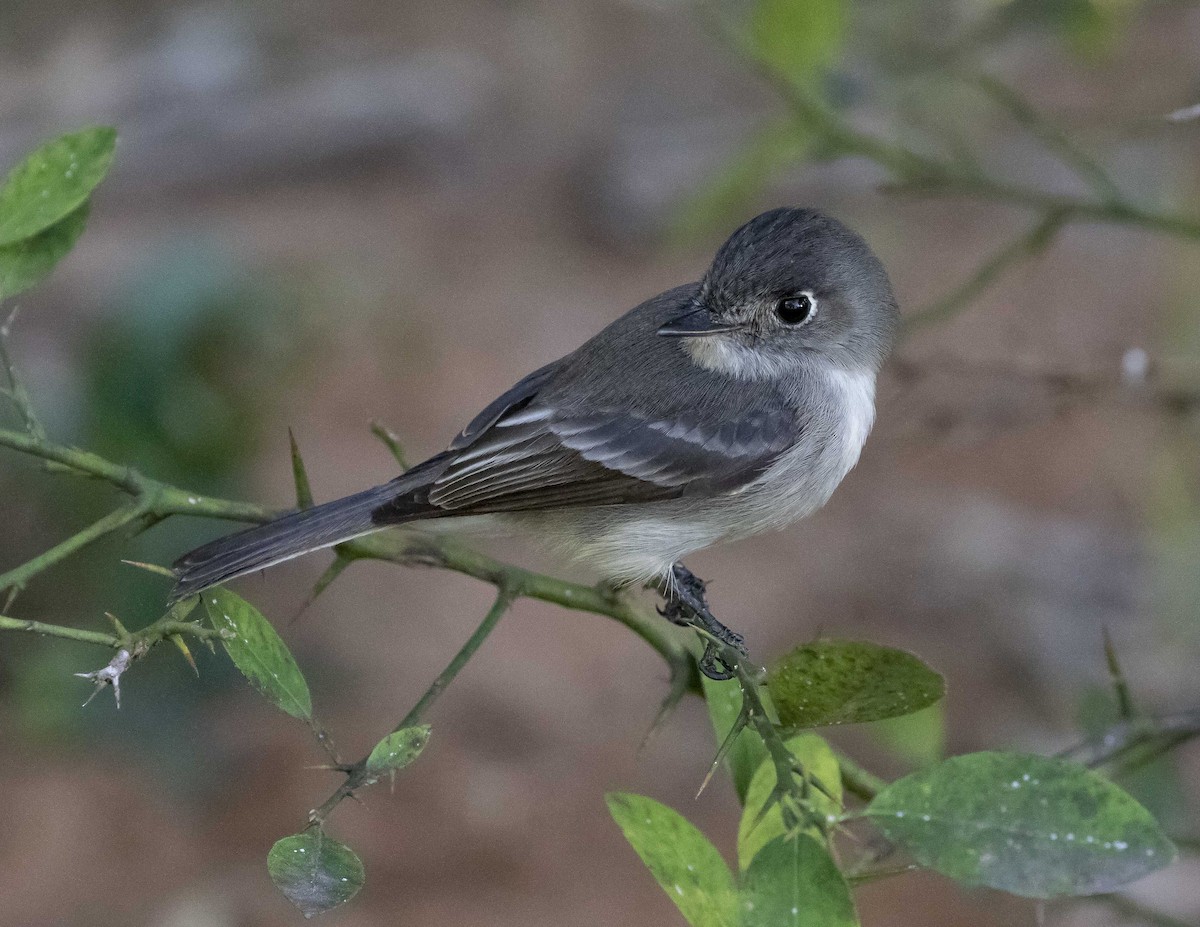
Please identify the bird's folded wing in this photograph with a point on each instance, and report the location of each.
(529, 456)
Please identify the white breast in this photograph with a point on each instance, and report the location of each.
(856, 391)
(804, 478)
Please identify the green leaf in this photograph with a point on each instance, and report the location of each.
(848, 682)
(26, 262)
(314, 871)
(799, 40)
(397, 750)
(724, 701)
(756, 829)
(1029, 825)
(919, 739)
(686, 865)
(795, 883)
(53, 182)
(259, 652)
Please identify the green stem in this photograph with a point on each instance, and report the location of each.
(356, 773)
(113, 521)
(1036, 240)
(1052, 137)
(504, 599)
(858, 781)
(58, 630)
(756, 712)
(414, 548)
(159, 499)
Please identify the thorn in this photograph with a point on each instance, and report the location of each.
(116, 623)
(13, 592)
(775, 797)
(391, 441)
(334, 570)
(187, 654)
(817, 784)
(735, 729)
(1117, 676)
(675, 694)
(304, 496)
(152, 568)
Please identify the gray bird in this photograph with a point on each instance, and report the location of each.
(714, 411)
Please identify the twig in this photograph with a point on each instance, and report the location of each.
(113, 521)
(162, 498)
(16, 391)
(910, 171)
(1032, 242)
(1125, 737)
(416, 548)
(357, 773)
(58, 630)
(787, 768)
(858, 781)
(1053, 137)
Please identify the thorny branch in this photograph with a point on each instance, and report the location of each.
(357, 774)
(151, 501)
(909, 171)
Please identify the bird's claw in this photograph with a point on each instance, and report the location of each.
(685, 605)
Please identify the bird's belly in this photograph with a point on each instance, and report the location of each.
(630, 544)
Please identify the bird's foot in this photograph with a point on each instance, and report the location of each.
(686, 605)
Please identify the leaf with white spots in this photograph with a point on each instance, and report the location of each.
(849, 682)
(26, 262)
(54, 182)
(314, 871)
(756, 829)
(686, 865)
(259, 652)
(794, 882)
(724, 699)
(397, 750)
(1030, 825)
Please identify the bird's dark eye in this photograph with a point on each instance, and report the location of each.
(796, 310)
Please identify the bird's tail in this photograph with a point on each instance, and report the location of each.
(287, 537)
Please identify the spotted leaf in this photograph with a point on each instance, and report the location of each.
(1030, 825)
(54, 182)
(259, 652)
(686, 865)
(847, 682)
(314, 871)
(794, 882)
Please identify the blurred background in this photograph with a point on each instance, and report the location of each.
(324, 213)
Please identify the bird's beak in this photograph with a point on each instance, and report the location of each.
(697, 322)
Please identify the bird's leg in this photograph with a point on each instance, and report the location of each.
(685, 605)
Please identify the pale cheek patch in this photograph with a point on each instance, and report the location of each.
(732, 358)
